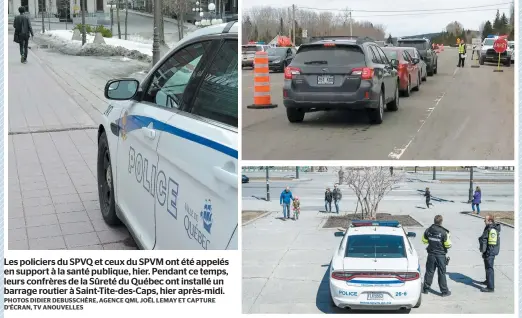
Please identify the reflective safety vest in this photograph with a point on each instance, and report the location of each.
(461, 48)
(492, 237)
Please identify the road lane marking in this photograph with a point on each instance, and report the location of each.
(398, 152)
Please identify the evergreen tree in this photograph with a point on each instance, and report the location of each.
(488, 29)
(504, 24)
(390, 40)
(497, 23)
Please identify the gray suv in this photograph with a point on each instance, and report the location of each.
(428, 55)
(340, 74)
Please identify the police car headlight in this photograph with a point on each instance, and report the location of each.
(277, 61)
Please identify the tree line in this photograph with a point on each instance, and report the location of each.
(265, 23)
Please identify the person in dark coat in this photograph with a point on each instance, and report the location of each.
(438, 240)
(23, 30)
(328, 196)
(427, 194)
(489, 243)
(477, 199)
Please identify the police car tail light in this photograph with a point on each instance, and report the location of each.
(408, 276)
(342, 275)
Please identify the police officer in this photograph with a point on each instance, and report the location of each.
(462, 52)
(438, 240)
(489, 247)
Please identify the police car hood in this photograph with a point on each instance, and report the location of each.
(376, 264)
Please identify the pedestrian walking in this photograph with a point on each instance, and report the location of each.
(438, 240)
(462, 53)
(337, 196)
(427, 194)
(285, 199)
(328, 200)
(23, 30)
(477, 199)
(489, 243)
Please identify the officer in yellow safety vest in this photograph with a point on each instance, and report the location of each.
(489, 243)
(462, 52)
(439, 241)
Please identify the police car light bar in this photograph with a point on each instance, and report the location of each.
(359, 223)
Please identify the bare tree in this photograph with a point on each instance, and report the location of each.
(454, 27)
(118, 18)
(370, 185)
(180, 7)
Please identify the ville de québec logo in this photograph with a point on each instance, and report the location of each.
(206, 216)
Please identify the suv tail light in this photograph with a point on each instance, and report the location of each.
(365, 72)
(291, 71)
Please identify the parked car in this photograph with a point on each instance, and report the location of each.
(422, 65)
(340, 74)
(245, 179)
(279, 58)
(512, 47)
(248, 53)
(167, 162)
(409, 72)
(429, 55)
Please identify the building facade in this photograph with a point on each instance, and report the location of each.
(35, 7)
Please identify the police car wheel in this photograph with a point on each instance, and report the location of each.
(105, 183)
(417, 305)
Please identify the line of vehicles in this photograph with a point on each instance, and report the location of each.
(347, 73)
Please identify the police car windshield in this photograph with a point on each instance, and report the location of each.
(489, 42)
(375, 246)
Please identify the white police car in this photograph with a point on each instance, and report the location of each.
(167, 149)
(375, 267)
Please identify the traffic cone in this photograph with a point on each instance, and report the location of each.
(262, 99)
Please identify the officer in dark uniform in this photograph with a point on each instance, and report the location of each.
(438, 240)
(489, 247)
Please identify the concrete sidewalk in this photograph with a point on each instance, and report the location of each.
(52, 187)
(285, 263)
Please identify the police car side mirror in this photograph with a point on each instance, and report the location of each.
(411, 234)
(121, 89)
(339, 234)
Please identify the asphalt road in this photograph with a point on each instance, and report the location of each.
(458, 114)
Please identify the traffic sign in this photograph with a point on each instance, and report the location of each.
(500, 45)
(305, 34)
(458, 40)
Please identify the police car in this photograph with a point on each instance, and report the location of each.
(167, 148)
(488, 54)
(376, 267)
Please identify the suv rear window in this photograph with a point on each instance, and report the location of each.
(420, 45)
(337, 55)
(376, 246)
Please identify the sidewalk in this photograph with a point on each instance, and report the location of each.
(287, 270)
(52, 187)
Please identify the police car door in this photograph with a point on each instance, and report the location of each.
(202, 159)
(142, 182)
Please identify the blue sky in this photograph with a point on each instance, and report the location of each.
(403, 25)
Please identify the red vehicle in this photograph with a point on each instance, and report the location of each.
(409, 71)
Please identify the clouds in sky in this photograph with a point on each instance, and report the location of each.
(394, 14)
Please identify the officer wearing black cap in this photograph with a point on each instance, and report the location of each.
(438, 240)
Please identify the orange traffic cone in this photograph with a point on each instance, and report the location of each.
(262, 99)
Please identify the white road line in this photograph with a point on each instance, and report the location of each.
(398, 152)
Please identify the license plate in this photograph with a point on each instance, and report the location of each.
(375, 296)
(325, 80)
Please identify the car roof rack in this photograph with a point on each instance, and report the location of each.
(362, 223)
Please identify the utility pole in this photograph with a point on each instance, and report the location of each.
(267, 184)
(155, 43)
(351, 33)
(470, 196)
(297, 172)
(84, 32)
(293, 24)
(434, 173)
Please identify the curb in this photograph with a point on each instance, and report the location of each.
(256, 218)
(481, 217)
(286, 180)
